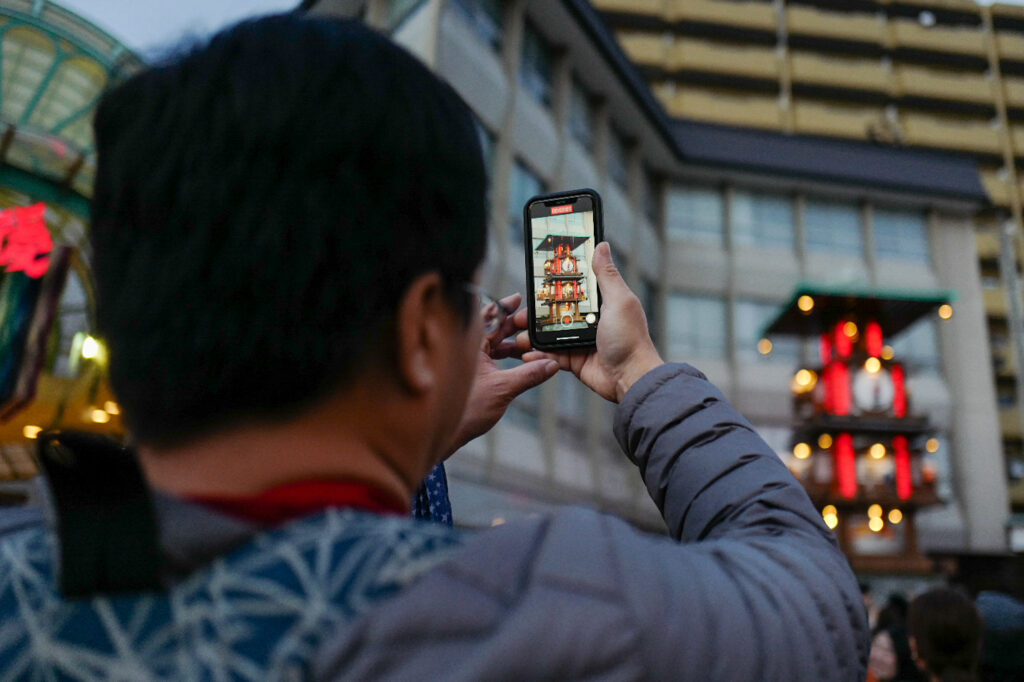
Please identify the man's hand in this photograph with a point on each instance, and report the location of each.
(624, 352)
(494, 389)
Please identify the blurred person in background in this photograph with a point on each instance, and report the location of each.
(945, 635)
(1002, 651)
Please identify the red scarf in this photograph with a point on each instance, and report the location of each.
(303, 498)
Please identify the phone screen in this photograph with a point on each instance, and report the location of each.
(565, 303)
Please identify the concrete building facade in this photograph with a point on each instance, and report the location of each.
(714, 227)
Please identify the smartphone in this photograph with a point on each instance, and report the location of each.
(562, 230)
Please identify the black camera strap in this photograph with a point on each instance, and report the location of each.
(106, 523)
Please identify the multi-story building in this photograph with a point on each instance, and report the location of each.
(714, 226)
(928, 74)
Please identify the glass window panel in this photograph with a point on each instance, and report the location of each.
(535, 69)
(750, 318)
(762, 219)
(617, 169)
(485, 16)
(652, 198)
(581, 115)
(918, 346)
(524, 184)
(834, 227)
(901, 235)
(695, 214)
(696, 327)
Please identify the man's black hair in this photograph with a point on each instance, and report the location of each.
(260, 206)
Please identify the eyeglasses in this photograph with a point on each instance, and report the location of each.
(492, 312)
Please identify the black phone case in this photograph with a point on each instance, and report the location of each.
(528, 247)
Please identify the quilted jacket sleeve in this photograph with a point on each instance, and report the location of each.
(758, 589)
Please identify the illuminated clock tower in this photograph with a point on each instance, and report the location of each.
(858, 447)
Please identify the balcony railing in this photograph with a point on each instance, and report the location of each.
(644, 48)
(925, 82)
(704, 55)
(842, 25)
(998, 190)
(862, 74)
(910, 33)
(1009, 422)
(822, 119)
(1011, 45)
(756, 15)
(1014, 88)
(995, 302)
(709, 105)
(970, 135)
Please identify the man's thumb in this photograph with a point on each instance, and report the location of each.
(608, 277)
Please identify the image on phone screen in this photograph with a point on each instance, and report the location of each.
(566, 305)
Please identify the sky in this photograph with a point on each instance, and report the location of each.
(149, 26)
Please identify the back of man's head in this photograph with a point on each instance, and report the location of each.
(261, 204)
(946, 629)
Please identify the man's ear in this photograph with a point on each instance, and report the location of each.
(421, 324)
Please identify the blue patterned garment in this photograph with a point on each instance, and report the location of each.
(259, 613)
(431, 500)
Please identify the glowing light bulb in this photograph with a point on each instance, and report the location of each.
(945, 311)
(824, 441)
(873, 365)
(829, 510)
(110, 407)
(764, 346)
(831, 520)
(805, 303)
(31, 431)
(99, 416)
(876, 524)
(876, 451)
(90, 348)
(875, 511)
(888, 353)
(932, 445)
(850, 329)
(801, 450)
(895, 516)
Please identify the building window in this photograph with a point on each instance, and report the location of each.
(695, 214)
(581, 115)
(485, 16)
(618, 169)
(523, 185)
(696, 327)
(901, 235)
(1006, 392)
(761, 219)
(535, 69)
(833, 227)
(918, 346)
(652, 197)
(750, 318)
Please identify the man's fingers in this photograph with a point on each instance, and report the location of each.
(608, 278)
(505, 349)
(525, 376)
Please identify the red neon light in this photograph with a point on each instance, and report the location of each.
(904, 478)
(846, 466)
(837, 388)
(556, 210)
(899, 385)
(825, 348)
(25, 243)
(844, 344)
(873, 339)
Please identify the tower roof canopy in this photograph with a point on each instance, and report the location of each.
(893, 309)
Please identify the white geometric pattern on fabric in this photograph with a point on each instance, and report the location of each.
(257, 614)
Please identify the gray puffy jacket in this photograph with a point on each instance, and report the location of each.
(751, 585)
